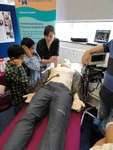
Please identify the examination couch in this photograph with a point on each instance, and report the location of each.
(72, 140)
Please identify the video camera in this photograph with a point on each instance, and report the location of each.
(93, 73)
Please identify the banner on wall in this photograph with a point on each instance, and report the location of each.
(33, 16)
(9, 33)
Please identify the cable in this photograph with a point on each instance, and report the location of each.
(56, 75)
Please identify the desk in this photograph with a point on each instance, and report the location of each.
(5, 98)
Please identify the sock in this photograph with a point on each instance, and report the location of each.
(96, 121)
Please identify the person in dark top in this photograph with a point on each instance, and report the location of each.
(48, 47)
(105, 110)
(16, 75)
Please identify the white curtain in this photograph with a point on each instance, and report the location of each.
(68, 10)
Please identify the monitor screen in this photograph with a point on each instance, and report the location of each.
(97, 58)
(102, 36)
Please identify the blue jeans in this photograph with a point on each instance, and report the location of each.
(105, 114)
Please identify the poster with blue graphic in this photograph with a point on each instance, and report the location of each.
(6, 27)
(9, 33)
(33, 16)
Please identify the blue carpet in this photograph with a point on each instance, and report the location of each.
(87, 138)
(6, 117)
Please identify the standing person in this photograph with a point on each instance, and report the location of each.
(32, 60)
(62, 89)
(105, 109)
(16, 75)
(48, 47)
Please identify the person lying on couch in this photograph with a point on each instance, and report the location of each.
(60, 90)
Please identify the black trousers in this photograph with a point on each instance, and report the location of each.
(54, 98)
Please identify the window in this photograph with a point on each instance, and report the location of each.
(66, 30)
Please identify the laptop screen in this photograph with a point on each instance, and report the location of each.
(102, 36)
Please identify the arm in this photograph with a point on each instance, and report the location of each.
(40, 50)
(77, 88)
(77, 103)
(29, 97)
(108, 139)
(41, 84)
(2, 89)
(77, 85)
(55, 61)
(17, 75)
(41, 47)
(46, 61)
(33, 63)
(55, 48)
(86, 56)
(30, 60)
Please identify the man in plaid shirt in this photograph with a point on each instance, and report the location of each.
(16, 74)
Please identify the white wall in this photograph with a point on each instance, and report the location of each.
(84, 10)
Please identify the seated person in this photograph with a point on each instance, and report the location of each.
(62, 89)
(105, 143)
(16, 75)
(2, 89)
(32, 60)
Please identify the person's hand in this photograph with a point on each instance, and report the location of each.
(53, 58)
(85, 58)
(27, 50)
(16, 62)
(77, 105)
(2, 89)
(29, 97)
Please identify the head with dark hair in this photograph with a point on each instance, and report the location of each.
(15, 51)
(49, 34)
(27, 42)
(49, 29)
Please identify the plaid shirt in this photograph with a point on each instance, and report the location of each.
(17, 80)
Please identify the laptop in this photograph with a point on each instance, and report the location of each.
(101, 37)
